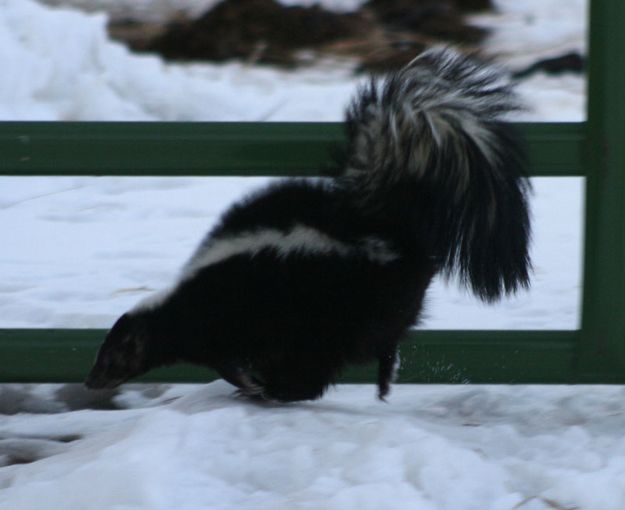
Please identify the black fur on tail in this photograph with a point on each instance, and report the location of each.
(434, 131)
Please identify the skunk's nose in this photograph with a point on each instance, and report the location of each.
(94, 383)
(96, 380)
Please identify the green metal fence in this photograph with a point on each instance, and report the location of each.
(596, 150)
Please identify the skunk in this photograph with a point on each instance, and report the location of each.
(306, 276)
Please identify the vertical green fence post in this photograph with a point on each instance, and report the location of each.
(603, 318)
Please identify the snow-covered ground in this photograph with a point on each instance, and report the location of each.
(79, 251)
(430, 448)
(58, 64)
(84, 250)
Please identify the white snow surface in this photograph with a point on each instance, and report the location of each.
(429, 448)
(77, 252)
(82, 251)
(58, 64)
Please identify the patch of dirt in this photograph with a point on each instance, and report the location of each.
(382, 35)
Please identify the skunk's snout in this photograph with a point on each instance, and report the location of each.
(101, 378)
(96, 381)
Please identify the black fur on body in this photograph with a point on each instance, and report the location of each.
(305, 277)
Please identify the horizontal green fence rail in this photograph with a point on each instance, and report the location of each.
(245, 149)
(456, 356)
(61, 355)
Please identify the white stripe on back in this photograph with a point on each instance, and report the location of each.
(299, 239)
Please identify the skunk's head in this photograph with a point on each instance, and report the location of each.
(123, 355)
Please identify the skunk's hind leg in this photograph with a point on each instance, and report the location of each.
(282, 382)
(236, 375)
(388, 364)
(293, 390)
(290, 382)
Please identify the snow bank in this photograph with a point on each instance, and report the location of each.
(485, 448)
(58, 64)
(535, 29)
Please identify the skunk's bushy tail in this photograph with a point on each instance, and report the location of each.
(435, 127)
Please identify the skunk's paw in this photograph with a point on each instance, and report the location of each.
(249, 386)
(383, 391)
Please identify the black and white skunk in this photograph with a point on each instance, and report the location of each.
(303, 277)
